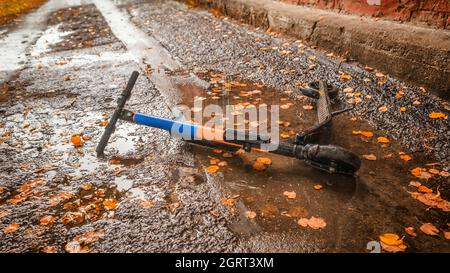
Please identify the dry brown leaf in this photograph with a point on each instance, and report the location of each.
(90, 236)
(47, 220)
(87, 186)
(308, 107)
(421, 173)
(410, 231)
(370, 157)
(290, 194)
(317, 223)
(72, 218)
(297, 212)
(429, 229)
(383, 109)
(147, 204)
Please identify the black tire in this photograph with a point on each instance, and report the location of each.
(333, 159)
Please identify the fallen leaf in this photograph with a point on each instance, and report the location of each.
(363, 133)
(222, 164)
(73, 247)
(297, 212)
(290, 194)
(110, 204)
(114, 161)
(410, 231)
(432, 200)
(444, 174)
(437, 115)
(212, 169)
(433, 171)
(11, 228)
(429, 229)
(318, 187)
(303, 222)
(415, 184)
(420, 173)
(393, 248)
(259, 166)
(317, 223)
(403, 108)
(76, 141)
(383, 109)
(87, 186)
(48, 249)
(405, 157)
(147, 204)
(370, 157)
(264, 160)
(447, 235)
(424, 189)
(390, 239)
(284, 135)
(250, 214)
(90, 236)
(382, 139)
(217, 151)
(345, 77)
(312, 58)
(72, 218)
(47, 220)
(226, 154)
(103, 123)
(308, 107)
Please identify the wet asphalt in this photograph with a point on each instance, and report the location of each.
(77, 66)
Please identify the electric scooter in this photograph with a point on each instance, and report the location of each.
(329, 158)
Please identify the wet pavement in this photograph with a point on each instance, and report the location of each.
(152, 193)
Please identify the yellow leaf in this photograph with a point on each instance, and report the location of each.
(284, 135)
(405, 157)
(391, 239)
(383, 140)
(345, 77)
(437, 115)
(212, 169)
(403, 108)
(363, 133)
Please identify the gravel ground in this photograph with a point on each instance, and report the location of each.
(202, 41)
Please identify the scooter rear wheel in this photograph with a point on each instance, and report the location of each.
(333, 159)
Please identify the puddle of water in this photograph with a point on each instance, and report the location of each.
(50, 37)
(15, 43)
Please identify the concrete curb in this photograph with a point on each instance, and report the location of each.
(414, 54)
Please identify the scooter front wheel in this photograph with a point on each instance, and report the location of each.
(332, 159)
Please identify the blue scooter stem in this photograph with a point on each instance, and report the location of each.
(185, 130)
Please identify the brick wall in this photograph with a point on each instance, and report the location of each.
(432, 12)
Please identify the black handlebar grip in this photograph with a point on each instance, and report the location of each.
(112, 122)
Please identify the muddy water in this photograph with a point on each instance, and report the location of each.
(357, 209)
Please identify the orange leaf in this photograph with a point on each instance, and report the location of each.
(290, 194)
(370, 157)
(363, 133)
(405, 157)
(47, 220)
(264, 160)
(87, 186)
(110, 204)
(76, 141)
(424, 189)
(259, 166)
(317, 187)
(437, 115)
(250, 214)
(429, 229)
(212, 169)
(383, 140)
(410, 231)
(11, 228)
(103, 123)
